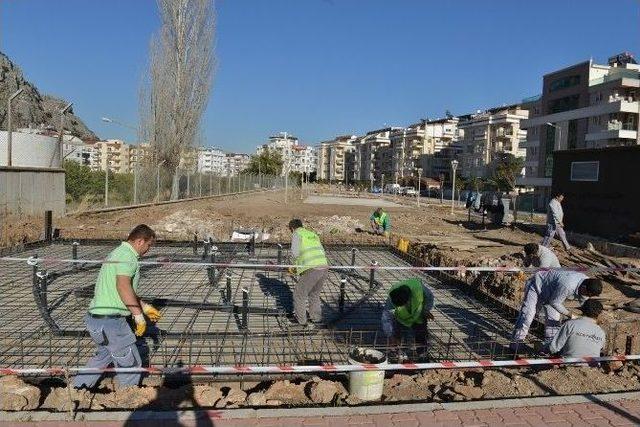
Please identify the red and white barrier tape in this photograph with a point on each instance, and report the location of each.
(267, 266)
(288, 369)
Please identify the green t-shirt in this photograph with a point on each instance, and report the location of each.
(106, 299)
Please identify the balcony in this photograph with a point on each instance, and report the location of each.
(614, 130)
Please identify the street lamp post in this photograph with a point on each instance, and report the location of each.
(9, 146)
(419, 184)
(454, 166)
(137, 159)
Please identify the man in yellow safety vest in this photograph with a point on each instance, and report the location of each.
(311, 263)
(380, 222)
(408, 309)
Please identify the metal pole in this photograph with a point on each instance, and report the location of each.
(343, 285)
(453, 190)
(245, 308)
(106, 182)
(228, 289)
(74, 254)
(158, 185)
(353, 256)
(210, 187)
(200, 184)
(61, 132)
(372, 275)
(9, 127)
(188, 184)
(48, 225)
(135, 184)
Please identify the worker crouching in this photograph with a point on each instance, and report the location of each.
(407, 311)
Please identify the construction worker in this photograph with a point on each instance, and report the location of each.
(548, 290)
(311, 263)
(555, 224)
(581, 337)
(380, 222)
(540, 256)
(113, 303)
(408, 308)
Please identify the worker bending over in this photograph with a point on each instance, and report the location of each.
(540, 256)
(548, 290)
(114, 301)
(380, 222)
(311, 268)
(408, 308)
(581, 337)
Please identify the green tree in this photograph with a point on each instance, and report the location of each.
(267, 163)
(80, 180)
(505, 168)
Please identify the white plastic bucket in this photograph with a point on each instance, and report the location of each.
(367, 385)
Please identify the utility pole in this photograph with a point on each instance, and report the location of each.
(61, 131)
(9, 130)
(419, 183)
(454, 166)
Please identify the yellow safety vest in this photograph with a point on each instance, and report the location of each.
(311, 251)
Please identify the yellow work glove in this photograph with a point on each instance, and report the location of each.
(292, 271)
(140, 324)
(152, 313)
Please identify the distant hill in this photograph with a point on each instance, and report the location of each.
(32, 108)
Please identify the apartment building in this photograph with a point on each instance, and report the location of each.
(296, 157)
(407, 145)
(487, 133)
(332, 158)
(440, 147)
(586, 105)
(211, 160)
(235, 163)
(76, 150)
(113, 154)
(374, 155)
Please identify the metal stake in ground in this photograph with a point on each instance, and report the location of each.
(245, 308)
(74, 254)
(372, 275)
(343, 285)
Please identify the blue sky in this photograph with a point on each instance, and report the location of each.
(317, 68)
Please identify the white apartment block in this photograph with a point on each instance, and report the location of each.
(212, 160)
(332, 158)
(296, 157)
(488, 133)
(374, 155)
(76, 150)
(441, 146)
(586, 105)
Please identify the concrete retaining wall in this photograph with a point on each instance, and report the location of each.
(31, 191)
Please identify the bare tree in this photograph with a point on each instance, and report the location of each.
(176, 92)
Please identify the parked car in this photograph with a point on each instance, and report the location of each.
(392, 188)
(410, 191)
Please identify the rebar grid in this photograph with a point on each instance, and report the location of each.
(203, 325)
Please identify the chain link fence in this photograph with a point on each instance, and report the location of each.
(155, 185)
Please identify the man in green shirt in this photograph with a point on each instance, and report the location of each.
(114, 300)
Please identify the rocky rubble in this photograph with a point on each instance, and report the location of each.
(429, 386)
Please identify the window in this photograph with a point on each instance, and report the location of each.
(564, 104)
(585, 171)
(564, 82)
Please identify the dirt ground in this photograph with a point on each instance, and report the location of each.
(436, 236)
